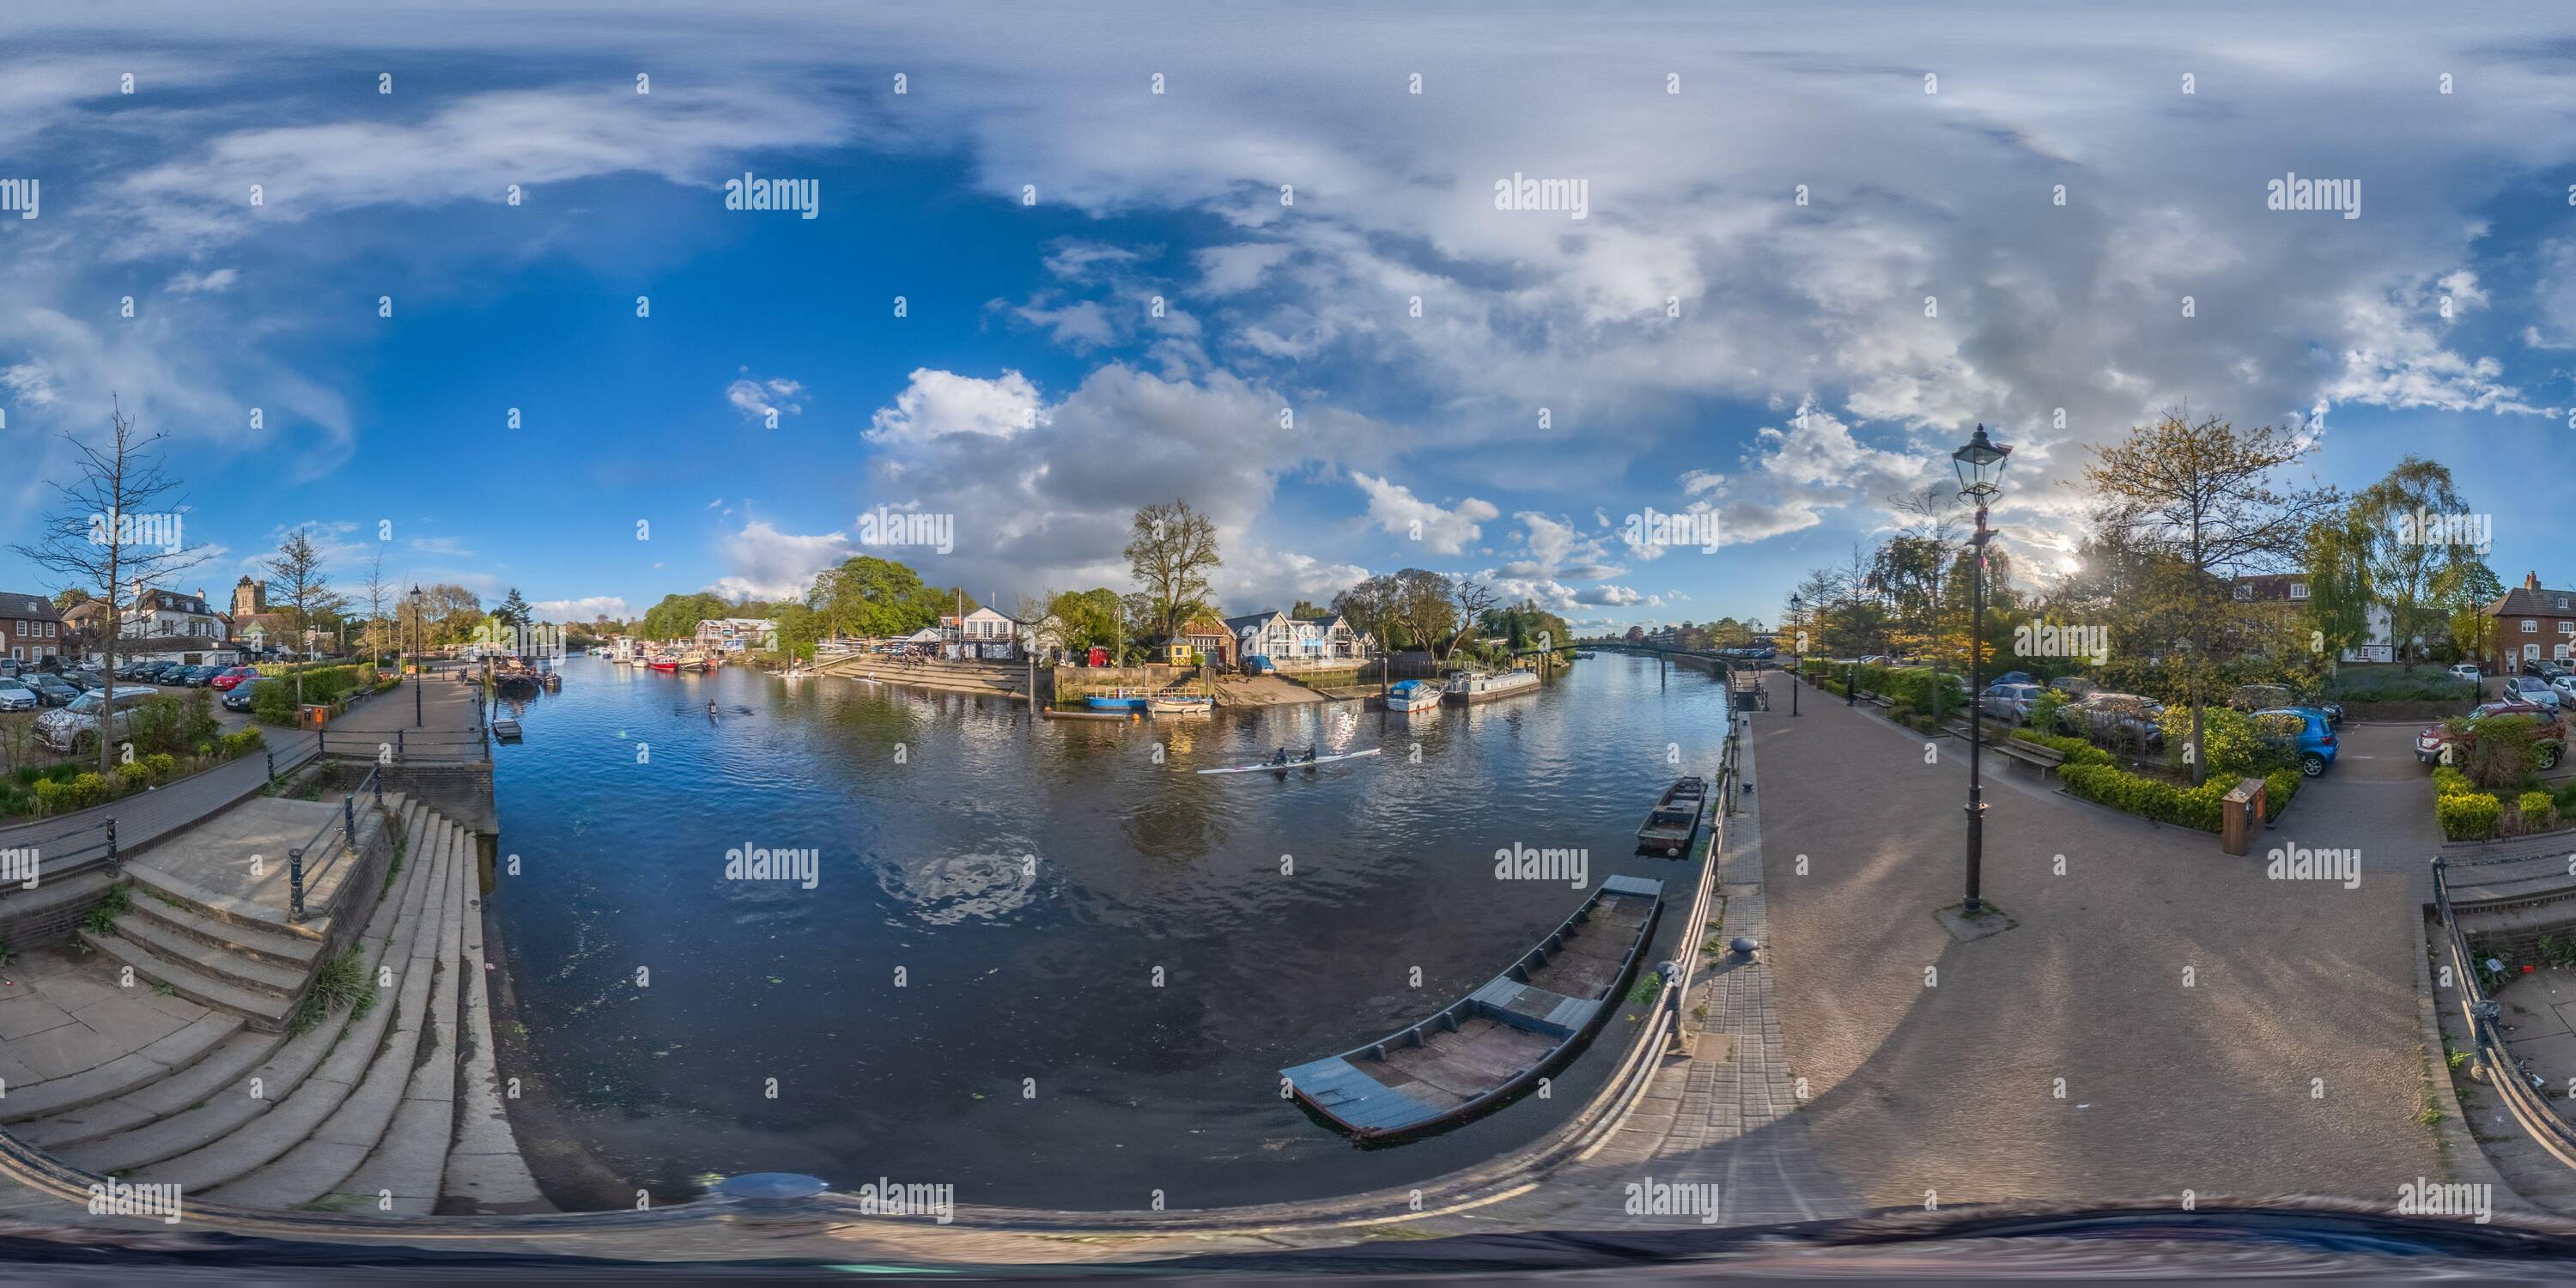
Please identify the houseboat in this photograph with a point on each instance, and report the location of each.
(1471, 687)
(1521, 1025)
(1413, 695)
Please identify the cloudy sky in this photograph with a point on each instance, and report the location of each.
(1813, 249)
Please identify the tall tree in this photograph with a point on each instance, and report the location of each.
(514, 611)
(377, 588)
(2202, 498)
(303, 589)
(1469, 598)
(1170, 550)
(101, 534)
(2413, 545)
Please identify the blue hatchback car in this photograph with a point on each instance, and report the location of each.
(2315, 741)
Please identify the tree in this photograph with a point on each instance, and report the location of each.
(1422, 607)
(303, 589)
(377, 590)
(514, 611)
(2405, 550)
(1370, 608)
(877, 599)
(70, 597)
(1170, 550)
(2200, 498)
(115, 526)
(1470, 599)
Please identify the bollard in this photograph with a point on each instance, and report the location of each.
(295, 882)
(113, 864)
(349, 818)
(272, 769)
(398, 744)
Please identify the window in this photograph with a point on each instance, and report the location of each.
(2567, 628)
(2530, 627)
(2531, 651)
(2561, 654)
(2298, 590)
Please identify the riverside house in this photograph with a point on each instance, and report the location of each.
(2532, 623)
(29, 627)
(737, 635)
(1289, 640)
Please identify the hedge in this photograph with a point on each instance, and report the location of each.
(2202, 807)
(2465, 813)
(2077, 751)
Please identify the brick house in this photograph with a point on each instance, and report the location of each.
(30, 629)
(2532, 623)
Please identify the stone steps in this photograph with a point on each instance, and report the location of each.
(353, 1128)
(201, 1122)
(176, 1053)
(241, 939)
(404, 1171)
(222, 964)
(484, 1171)
(265, 1010)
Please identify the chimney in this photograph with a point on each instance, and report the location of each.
(2531, 581)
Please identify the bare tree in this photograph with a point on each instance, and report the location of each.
(116, 525)
(1472, 597)
(377, 590)
(1170, 550)
(295, 573)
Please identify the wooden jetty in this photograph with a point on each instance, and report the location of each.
(1496, 1040)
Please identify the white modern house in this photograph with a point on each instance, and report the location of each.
(1289, 640)
(737, 634)
(168, 613)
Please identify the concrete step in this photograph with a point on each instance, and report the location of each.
(402, 1174)
(484, 1172)
(186, 1128)
(223, 964)
(229, 1061)
(265, 1010)
(126, 1073)
(292, 951)
(152, 883)
(298, 1152)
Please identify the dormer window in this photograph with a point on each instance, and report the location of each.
(2245, 592)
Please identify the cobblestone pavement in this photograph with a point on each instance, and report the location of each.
(2214, 1030)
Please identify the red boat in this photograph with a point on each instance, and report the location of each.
(663, 664)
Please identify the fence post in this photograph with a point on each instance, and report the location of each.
(398, 744)
(272, 767)
(378, 778)
(349, 818)
(295, 881)
(115, 866)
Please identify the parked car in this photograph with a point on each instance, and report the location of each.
(2565, 687)
(2542, 669)
(2011, 702)
(134, 667)
(2467, 671)
(2118, 719)
(82, 678)
(2433, 745)
(2251, 698)
(50, 689)
(2073, 686)
(2312, 741)
(2528, 688)
(75, 728)
(16, 697)
(240, 696)
(230, 676)
(154, 672)
(198, 677)
(2014, 677)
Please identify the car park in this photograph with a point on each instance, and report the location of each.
(230, 676)
(16, 697)
(2434, 744)
(240, 696)
(2565, 687)
(2541, 670)
(2528, 688)
(2013, 702)
(2014, 677)
(198, 677)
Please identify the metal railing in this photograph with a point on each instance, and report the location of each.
(1683, 971)
(297, 878)
(2521, 1096)
(406, 745)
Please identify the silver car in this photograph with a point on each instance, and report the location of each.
(75, 728)
(2530, 688)
(16, 697)
(2011, 702)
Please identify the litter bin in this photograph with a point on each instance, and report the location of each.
(2241, 812)
(315, 715)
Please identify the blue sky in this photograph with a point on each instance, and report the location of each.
(1030, 198)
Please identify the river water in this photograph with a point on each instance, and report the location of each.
(1038, 964)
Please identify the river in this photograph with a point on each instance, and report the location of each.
(1051, 966)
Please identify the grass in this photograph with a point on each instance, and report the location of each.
(163, 988)
(101, 919)
(1649, 986)
(340, 983)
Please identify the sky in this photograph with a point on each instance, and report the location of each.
(490, 311)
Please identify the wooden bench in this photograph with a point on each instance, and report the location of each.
(2042, 758)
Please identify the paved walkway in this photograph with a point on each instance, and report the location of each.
(2214, 1030)
(62, 1016)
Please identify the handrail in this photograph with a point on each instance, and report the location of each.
(2542, 1123)
(1721, 800)
(295, 875)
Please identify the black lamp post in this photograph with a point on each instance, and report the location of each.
(1981, 470)
(1797, 649)
(418, 672)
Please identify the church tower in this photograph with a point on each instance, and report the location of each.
(249, 597)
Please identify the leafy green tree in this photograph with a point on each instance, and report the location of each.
(1171, 548)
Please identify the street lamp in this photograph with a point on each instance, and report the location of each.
(1981, 470)
(1797, 649)
(418, 673)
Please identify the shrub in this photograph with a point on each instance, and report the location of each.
(2278, 787)
(2150, 798)
(2076, 750)
(244, 741)
(2372, 684)
(133, 777)
(2468, 816)
(2043, 713)
(2539, 811)
(2498, 751)
(163, 766)
(273, 702)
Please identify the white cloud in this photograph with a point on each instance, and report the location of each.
(1394, 507)
(760, 399)
(943, 404)
(769, 564)
(216, 282)
(1231, 270)
(586, 608)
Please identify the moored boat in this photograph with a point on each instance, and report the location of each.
(1413, 695)
(663, 664)
(1673, 823)
(1117, 700)
(1471, 687)
(1180, 704)
(1482, 1048)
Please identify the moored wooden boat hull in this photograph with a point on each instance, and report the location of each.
(1484, 1048)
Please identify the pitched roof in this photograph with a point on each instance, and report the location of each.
(13, 604)
(1239, 624)
(2533, 601)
